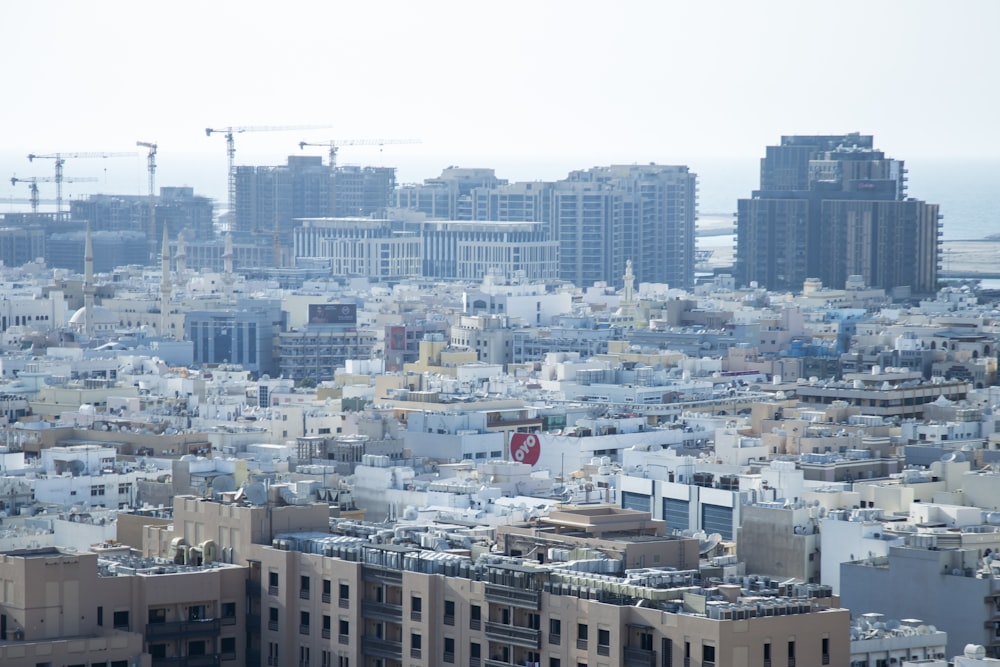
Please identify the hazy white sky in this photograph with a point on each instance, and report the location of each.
(532, 88)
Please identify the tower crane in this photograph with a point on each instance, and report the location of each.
(334, 144)
(151, 166)
(35, 180)
(60, 160)
(229, 133)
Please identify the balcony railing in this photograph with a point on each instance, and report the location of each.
(382, 611)
(325, 633)
(510, 634)
(326, 598)
(381, 648)
(303, 593)
(475, 662)
(514, 597)
(382, 575)
(272, 625)
(344, 639)
(475, 624)
(344, 603)
(209, 660)
(638, 657)
(555, 639)
(177, 629)
(604, 649)
(581, 644)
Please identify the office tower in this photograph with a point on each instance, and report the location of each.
(830, 207)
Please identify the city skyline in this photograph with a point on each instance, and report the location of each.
(591, 86)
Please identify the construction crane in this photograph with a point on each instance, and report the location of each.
(229, 133)
(151, 166)
(60, 160)
(35, 180)
(334, 144)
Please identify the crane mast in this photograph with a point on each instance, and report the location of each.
(151, 167)
(230, 132)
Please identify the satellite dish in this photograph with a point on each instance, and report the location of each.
(892, 624)
(256, 493)
(76, 467)
(923, 630)
(709, 543)
(223, 484)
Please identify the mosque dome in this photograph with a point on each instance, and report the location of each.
(104, 319)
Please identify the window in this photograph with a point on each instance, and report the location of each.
(555, 631)
(554, 662)
(196, 647)
(416, 607)
(197, 612)
(303, 622)
(158, 615)
(100, 615)
(603, 642)
(120, 620)
(582, 632)
(158, 651)
(272, 618)
(767, 655)
(304, 587)
(475, 650)
(449, 612)
(791, 654)
(227, 646)
(272, 583)
(345, 594)
(825, 656)
(707, 655)
(449, 649)
(303, 656)
(415, 645)
(475, 617)
(227, 610)
(326, 590)
(344, 631)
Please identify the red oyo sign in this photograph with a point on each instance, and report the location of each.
(525, 448)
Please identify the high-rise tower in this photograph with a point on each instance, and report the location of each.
(832, 206)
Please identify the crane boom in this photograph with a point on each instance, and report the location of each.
(35, 180)
(60, 160)
(229, 133)
(334, 144)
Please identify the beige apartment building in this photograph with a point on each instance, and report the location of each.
(109, 608)
(229, 583)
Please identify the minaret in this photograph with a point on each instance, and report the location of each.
(629, 283)
(627, 306)
(181, 255)
(88, 285)
(164, 283)
(227, 264)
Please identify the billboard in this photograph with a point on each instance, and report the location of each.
(525, 448)
(333, 313)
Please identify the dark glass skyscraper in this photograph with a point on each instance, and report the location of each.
(832, 206)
